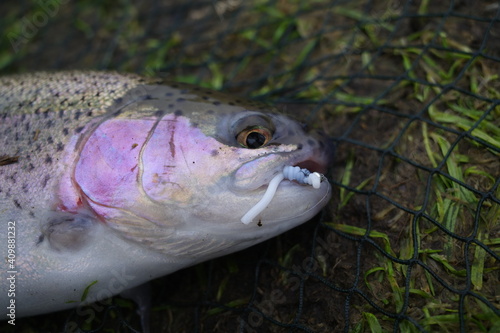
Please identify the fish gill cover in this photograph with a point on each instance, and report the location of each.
(410, 92)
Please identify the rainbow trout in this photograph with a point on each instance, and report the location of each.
(108, 181)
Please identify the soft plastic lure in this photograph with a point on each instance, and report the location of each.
(302, 176)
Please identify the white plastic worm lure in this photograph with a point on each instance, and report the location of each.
(302, 176)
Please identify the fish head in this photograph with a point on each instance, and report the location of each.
(177, 170)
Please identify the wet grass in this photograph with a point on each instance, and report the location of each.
(463, 128)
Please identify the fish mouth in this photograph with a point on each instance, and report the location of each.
(312, 166)
(255, 176)
(293, 174)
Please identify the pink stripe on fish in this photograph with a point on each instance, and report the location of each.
(174, 153)
(108, 169)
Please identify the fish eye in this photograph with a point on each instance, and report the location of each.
(254, 137)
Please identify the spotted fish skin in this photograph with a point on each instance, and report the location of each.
(112, 180)
(39, 114)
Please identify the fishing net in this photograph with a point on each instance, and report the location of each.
(410, 92)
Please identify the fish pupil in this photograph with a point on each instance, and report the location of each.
(255, 140)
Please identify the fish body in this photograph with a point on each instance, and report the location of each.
(110, 180)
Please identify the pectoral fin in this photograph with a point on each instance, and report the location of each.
(67, 232)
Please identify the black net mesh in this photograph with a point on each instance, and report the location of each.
(410, 92)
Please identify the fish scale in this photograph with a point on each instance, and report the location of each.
(114, 179)
(37, 124)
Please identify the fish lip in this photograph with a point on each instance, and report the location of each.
(262, 174)
(312, 166)
(321, 202)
